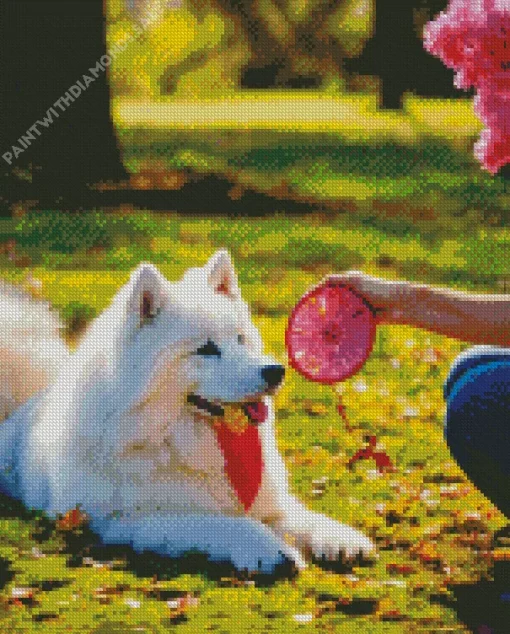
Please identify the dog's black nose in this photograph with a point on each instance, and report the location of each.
(273, 374)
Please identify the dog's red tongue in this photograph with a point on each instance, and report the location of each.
(243, 460)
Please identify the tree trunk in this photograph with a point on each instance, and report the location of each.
(45, 48)
(395, 53)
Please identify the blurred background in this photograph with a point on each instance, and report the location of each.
(332, 103)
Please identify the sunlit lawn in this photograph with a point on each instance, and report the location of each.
(420, 515)
(340, 152)
(349, 115)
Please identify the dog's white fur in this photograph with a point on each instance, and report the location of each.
(31, 350)
(108, 427)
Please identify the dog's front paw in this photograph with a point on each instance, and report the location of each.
(329, 540)
(247, 544)
(323, 538)
(255, 548)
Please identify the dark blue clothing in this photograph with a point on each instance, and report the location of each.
(477, 421)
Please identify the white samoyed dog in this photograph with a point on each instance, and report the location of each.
(159, 425)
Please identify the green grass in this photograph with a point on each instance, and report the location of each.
(341, 152)
(396, 396)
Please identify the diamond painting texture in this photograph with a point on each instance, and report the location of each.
(254, 316)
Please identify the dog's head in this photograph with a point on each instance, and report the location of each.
(191, 344)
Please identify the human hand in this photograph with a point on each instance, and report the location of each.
(388, 298)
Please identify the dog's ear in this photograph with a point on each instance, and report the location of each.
(145, 292)
(221, 274)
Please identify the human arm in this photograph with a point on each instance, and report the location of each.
(474, 317)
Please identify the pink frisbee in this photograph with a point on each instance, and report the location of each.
(330, 333)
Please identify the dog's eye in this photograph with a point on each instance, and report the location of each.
(241, 340)
(210, 349)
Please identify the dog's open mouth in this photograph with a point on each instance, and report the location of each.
(255, 411)
(237, 435)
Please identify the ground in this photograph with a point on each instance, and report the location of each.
(432, 526)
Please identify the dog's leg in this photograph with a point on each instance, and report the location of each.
(319, 535)
(307, 530)
(246, 543)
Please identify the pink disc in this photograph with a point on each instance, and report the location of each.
(330, 333)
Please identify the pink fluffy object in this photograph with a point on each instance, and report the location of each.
(473, 38)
